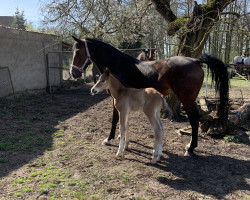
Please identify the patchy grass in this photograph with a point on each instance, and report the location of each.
(3, 160)
(22, 141)
(235, 82)
(234, 139)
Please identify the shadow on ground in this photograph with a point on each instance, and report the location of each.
(28, 124)
(212, 175)
(209, 175)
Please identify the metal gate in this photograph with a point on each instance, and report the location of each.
(58, 69)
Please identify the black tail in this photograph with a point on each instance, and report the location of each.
(220, 76)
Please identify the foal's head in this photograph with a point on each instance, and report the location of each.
(102, 83)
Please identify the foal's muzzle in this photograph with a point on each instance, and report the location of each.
(93, 91)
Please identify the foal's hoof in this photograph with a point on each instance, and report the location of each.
(189, 154)
(119, 157)
(155, 159)
(106, 142)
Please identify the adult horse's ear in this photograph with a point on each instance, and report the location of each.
(76, 39)
(107, 69)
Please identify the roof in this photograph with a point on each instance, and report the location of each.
(6, 20)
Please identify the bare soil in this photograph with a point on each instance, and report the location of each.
(50, 148)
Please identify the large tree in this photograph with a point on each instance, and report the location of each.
(115, 21)
(193, 30)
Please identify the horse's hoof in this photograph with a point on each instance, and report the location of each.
(126, 147)
(106, 142)
(119, 157)
(154, 161)
(189, 154)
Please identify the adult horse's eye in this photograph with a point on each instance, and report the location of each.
(102, 81)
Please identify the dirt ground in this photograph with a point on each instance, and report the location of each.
(50, 148)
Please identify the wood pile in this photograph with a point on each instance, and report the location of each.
(238, 114)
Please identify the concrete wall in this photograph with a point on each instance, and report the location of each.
(24, 53)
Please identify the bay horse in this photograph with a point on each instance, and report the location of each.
(180, 75)
(131, 99)
(147, 55)
(143, 56)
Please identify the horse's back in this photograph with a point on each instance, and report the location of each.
(185, 66)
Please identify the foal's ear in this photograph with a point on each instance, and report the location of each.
(76, 39)
(106, 70)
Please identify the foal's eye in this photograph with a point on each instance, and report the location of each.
(102, 81)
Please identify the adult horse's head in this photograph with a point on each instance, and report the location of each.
(81, 57)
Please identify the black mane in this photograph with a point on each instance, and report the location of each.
(112, 50)
(121, 65)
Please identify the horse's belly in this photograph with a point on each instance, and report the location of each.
(136, 107)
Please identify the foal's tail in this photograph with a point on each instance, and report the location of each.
(220, 76)
(168, 109)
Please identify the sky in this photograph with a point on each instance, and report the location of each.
(30, 8)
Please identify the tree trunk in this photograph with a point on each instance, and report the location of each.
(194, 30)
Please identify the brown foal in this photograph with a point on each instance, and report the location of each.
(131, 99)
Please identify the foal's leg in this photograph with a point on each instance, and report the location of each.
(159, 131)
(193, 116)
(162, 131)
(126, 135)
(123, 117)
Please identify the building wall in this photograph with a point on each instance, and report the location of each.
(6, 20)
(24, 53)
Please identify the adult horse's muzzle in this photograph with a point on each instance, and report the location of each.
(76, 73)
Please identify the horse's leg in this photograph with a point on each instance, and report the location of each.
(193, 116)
(187, 90)
(94, 78)
(159, 131)
(126, 134)
(123, 117)
(162, 131)
(115, 120)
